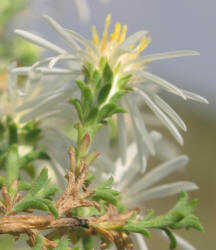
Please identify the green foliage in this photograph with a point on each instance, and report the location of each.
(109, 110)
(62, 245)
(179, 217)
(12, 164)
(36, 197)
(14, 136)
(87, 242)
(103, 94)
(39, 243)
(105, 192)
(107, 74)
(99, 96)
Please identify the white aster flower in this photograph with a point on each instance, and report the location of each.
(136, 188)
(123, 57)
(13, 104)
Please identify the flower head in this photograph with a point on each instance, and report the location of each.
(118, 59)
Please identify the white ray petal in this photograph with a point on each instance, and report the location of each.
(163, 83)
(44, 70)
(133, 39)
(122, 136)
(170, 112)
(139, 124)
(140, 242)
(39, 41)
(164, 55)
(123, 169)
(165, 190)
(82, 40)
(159, 173)
(83, 9)
(159, 113)
(182, 243)
(108, 165)
(60, 30)
(194, 97)
(67, 57)
(143, 139)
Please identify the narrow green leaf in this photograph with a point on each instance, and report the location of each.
(86, 95)
(24, 185)
(117, 96)
(51, 207)
(39, 243)
(92, 117)
(87, 243)
(103, 94)
(136, 228)
(13, 137)
(2, 130)
(30, 204)
(107, 74)
(105, 192)
(2, 181)
(91, 157)
(173, 241)
(12, 164)
(96, 80)
(33, 135)
(38, 183)
(105, 111)
(50, 190)
(102, 63)
(109, 110)
(122, 82)
(78, 107)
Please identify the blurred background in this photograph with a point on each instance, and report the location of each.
(173, 25)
